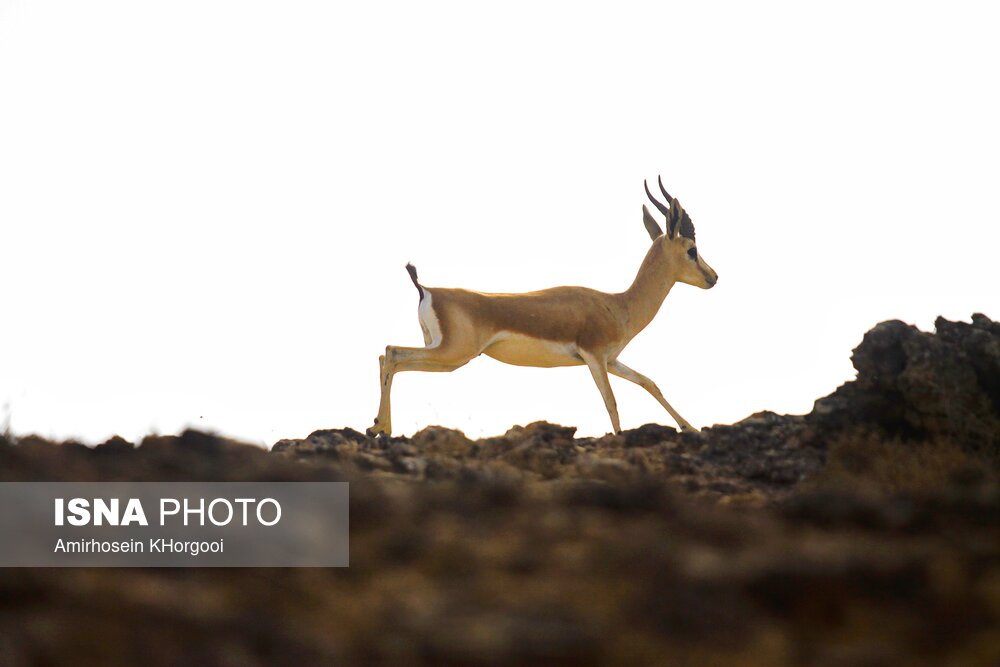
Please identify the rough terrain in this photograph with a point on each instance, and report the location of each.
(864, 533)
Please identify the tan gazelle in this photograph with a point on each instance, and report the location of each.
(561, 326)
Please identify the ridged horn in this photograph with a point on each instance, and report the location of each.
(663, 209)
(670, 200)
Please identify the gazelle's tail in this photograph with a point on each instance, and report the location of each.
(412, 270)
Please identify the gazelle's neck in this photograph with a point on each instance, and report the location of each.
(652, 283)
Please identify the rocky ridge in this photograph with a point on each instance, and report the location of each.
(863, 533)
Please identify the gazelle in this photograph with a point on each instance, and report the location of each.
(561, 326)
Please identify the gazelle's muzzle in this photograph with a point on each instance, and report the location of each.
(709, 274)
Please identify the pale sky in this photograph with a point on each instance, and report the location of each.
(206, 206)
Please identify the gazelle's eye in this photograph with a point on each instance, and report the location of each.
(693, 253)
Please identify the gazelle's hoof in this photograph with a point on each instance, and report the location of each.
(378, 429)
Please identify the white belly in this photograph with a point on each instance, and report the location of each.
(521, 350)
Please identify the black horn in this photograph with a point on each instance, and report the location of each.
(670, 200)
(663, 209)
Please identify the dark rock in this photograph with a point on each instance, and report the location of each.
(334, 443)
(649, 434)
(114, 445)
(920, 386)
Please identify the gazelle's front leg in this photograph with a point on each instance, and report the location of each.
(397, 359)
(621, 370)
(599, 370)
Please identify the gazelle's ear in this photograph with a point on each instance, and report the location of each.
(684, 226)
(674, 219)
(652, 226)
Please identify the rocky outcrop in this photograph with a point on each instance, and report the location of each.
(911, 386)
(921, 386)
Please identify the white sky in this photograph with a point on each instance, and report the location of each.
(205, 207)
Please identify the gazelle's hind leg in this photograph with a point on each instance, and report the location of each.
(397, 359)
(599, 370)
(621, 370)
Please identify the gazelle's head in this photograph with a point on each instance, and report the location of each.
(677, 245)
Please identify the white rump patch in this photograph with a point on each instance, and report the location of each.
(429, 323)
